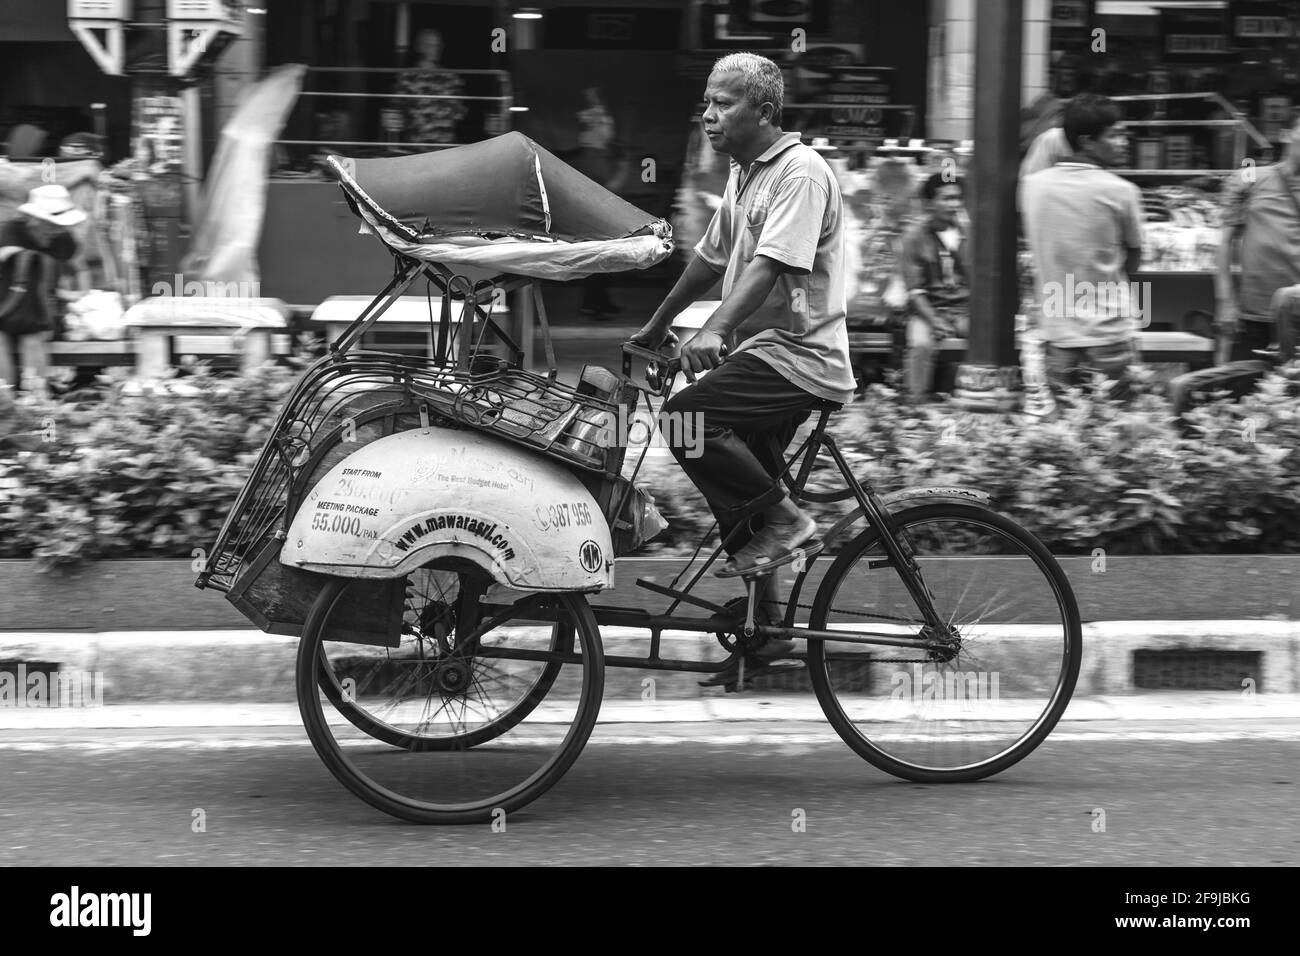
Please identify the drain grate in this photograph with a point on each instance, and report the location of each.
(1196, 670)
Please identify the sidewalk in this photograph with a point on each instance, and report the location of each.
(733, 722)
(248, 669)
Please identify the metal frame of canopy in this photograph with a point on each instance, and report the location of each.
(450, 286)
(600, 233)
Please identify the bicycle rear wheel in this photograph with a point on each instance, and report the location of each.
(451, 726)
(988, 697)
(477, 698)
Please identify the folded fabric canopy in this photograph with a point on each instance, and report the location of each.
(504, 186)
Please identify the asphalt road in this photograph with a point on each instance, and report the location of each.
(1221, 793)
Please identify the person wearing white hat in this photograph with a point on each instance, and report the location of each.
(52, 203)
(44, 223)
(31, 244)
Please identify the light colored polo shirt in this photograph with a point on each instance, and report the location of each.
(1270, 236)
(1080, 221)
(788, 207)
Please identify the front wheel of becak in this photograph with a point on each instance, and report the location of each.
(976, 692)
(464, 731)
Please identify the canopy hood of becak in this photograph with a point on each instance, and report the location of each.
(505, 185)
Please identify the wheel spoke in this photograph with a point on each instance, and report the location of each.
(437, 734)
(1014, 660)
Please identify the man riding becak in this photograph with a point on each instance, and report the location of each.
(777, 242)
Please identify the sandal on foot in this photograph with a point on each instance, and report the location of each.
(772, 546)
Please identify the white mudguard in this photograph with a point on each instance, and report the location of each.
(400, 502)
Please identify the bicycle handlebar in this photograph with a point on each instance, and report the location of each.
(660, 370)
(672, 363)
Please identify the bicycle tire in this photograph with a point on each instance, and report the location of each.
(891, 732)
(385, 776)
(363, 720)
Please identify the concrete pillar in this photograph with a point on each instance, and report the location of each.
(989, 378)
(951, 108)
(1036, 50)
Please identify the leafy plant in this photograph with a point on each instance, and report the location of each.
(144, 476)
(155, 476)
(1099, 475)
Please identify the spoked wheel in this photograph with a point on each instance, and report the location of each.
(481, 707)
(1005, 657)
(474, 703)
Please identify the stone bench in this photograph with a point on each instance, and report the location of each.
(167, 329)
(110, 353)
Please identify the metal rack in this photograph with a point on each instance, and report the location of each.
(1244, 131)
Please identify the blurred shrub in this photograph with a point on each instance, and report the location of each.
(1098, 475)
(130, 477)
(155, 476)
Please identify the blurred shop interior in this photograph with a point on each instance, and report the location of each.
(127, 101)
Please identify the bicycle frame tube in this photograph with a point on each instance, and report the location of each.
(656, 625)
(900, 554)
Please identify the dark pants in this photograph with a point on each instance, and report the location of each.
(739, 418)
(1286, 313)
(1073, 367)
(1251, 335)
(1283, 330)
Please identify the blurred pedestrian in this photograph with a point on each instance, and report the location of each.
(1083, 224)
(1261, 234)
(938, 289)
(1048, 148)
(1043, 114)
(1042, 133)
(431, 120)
(597, 160)
(31, 247)
(83, 145)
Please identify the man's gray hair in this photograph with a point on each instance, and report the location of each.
(763, 80)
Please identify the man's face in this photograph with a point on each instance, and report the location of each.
(946, 204)
(1109, 147)
(731, 122)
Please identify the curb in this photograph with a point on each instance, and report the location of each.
(248, 666)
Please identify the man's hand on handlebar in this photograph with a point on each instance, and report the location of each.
(654, 338)
(704, 351)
